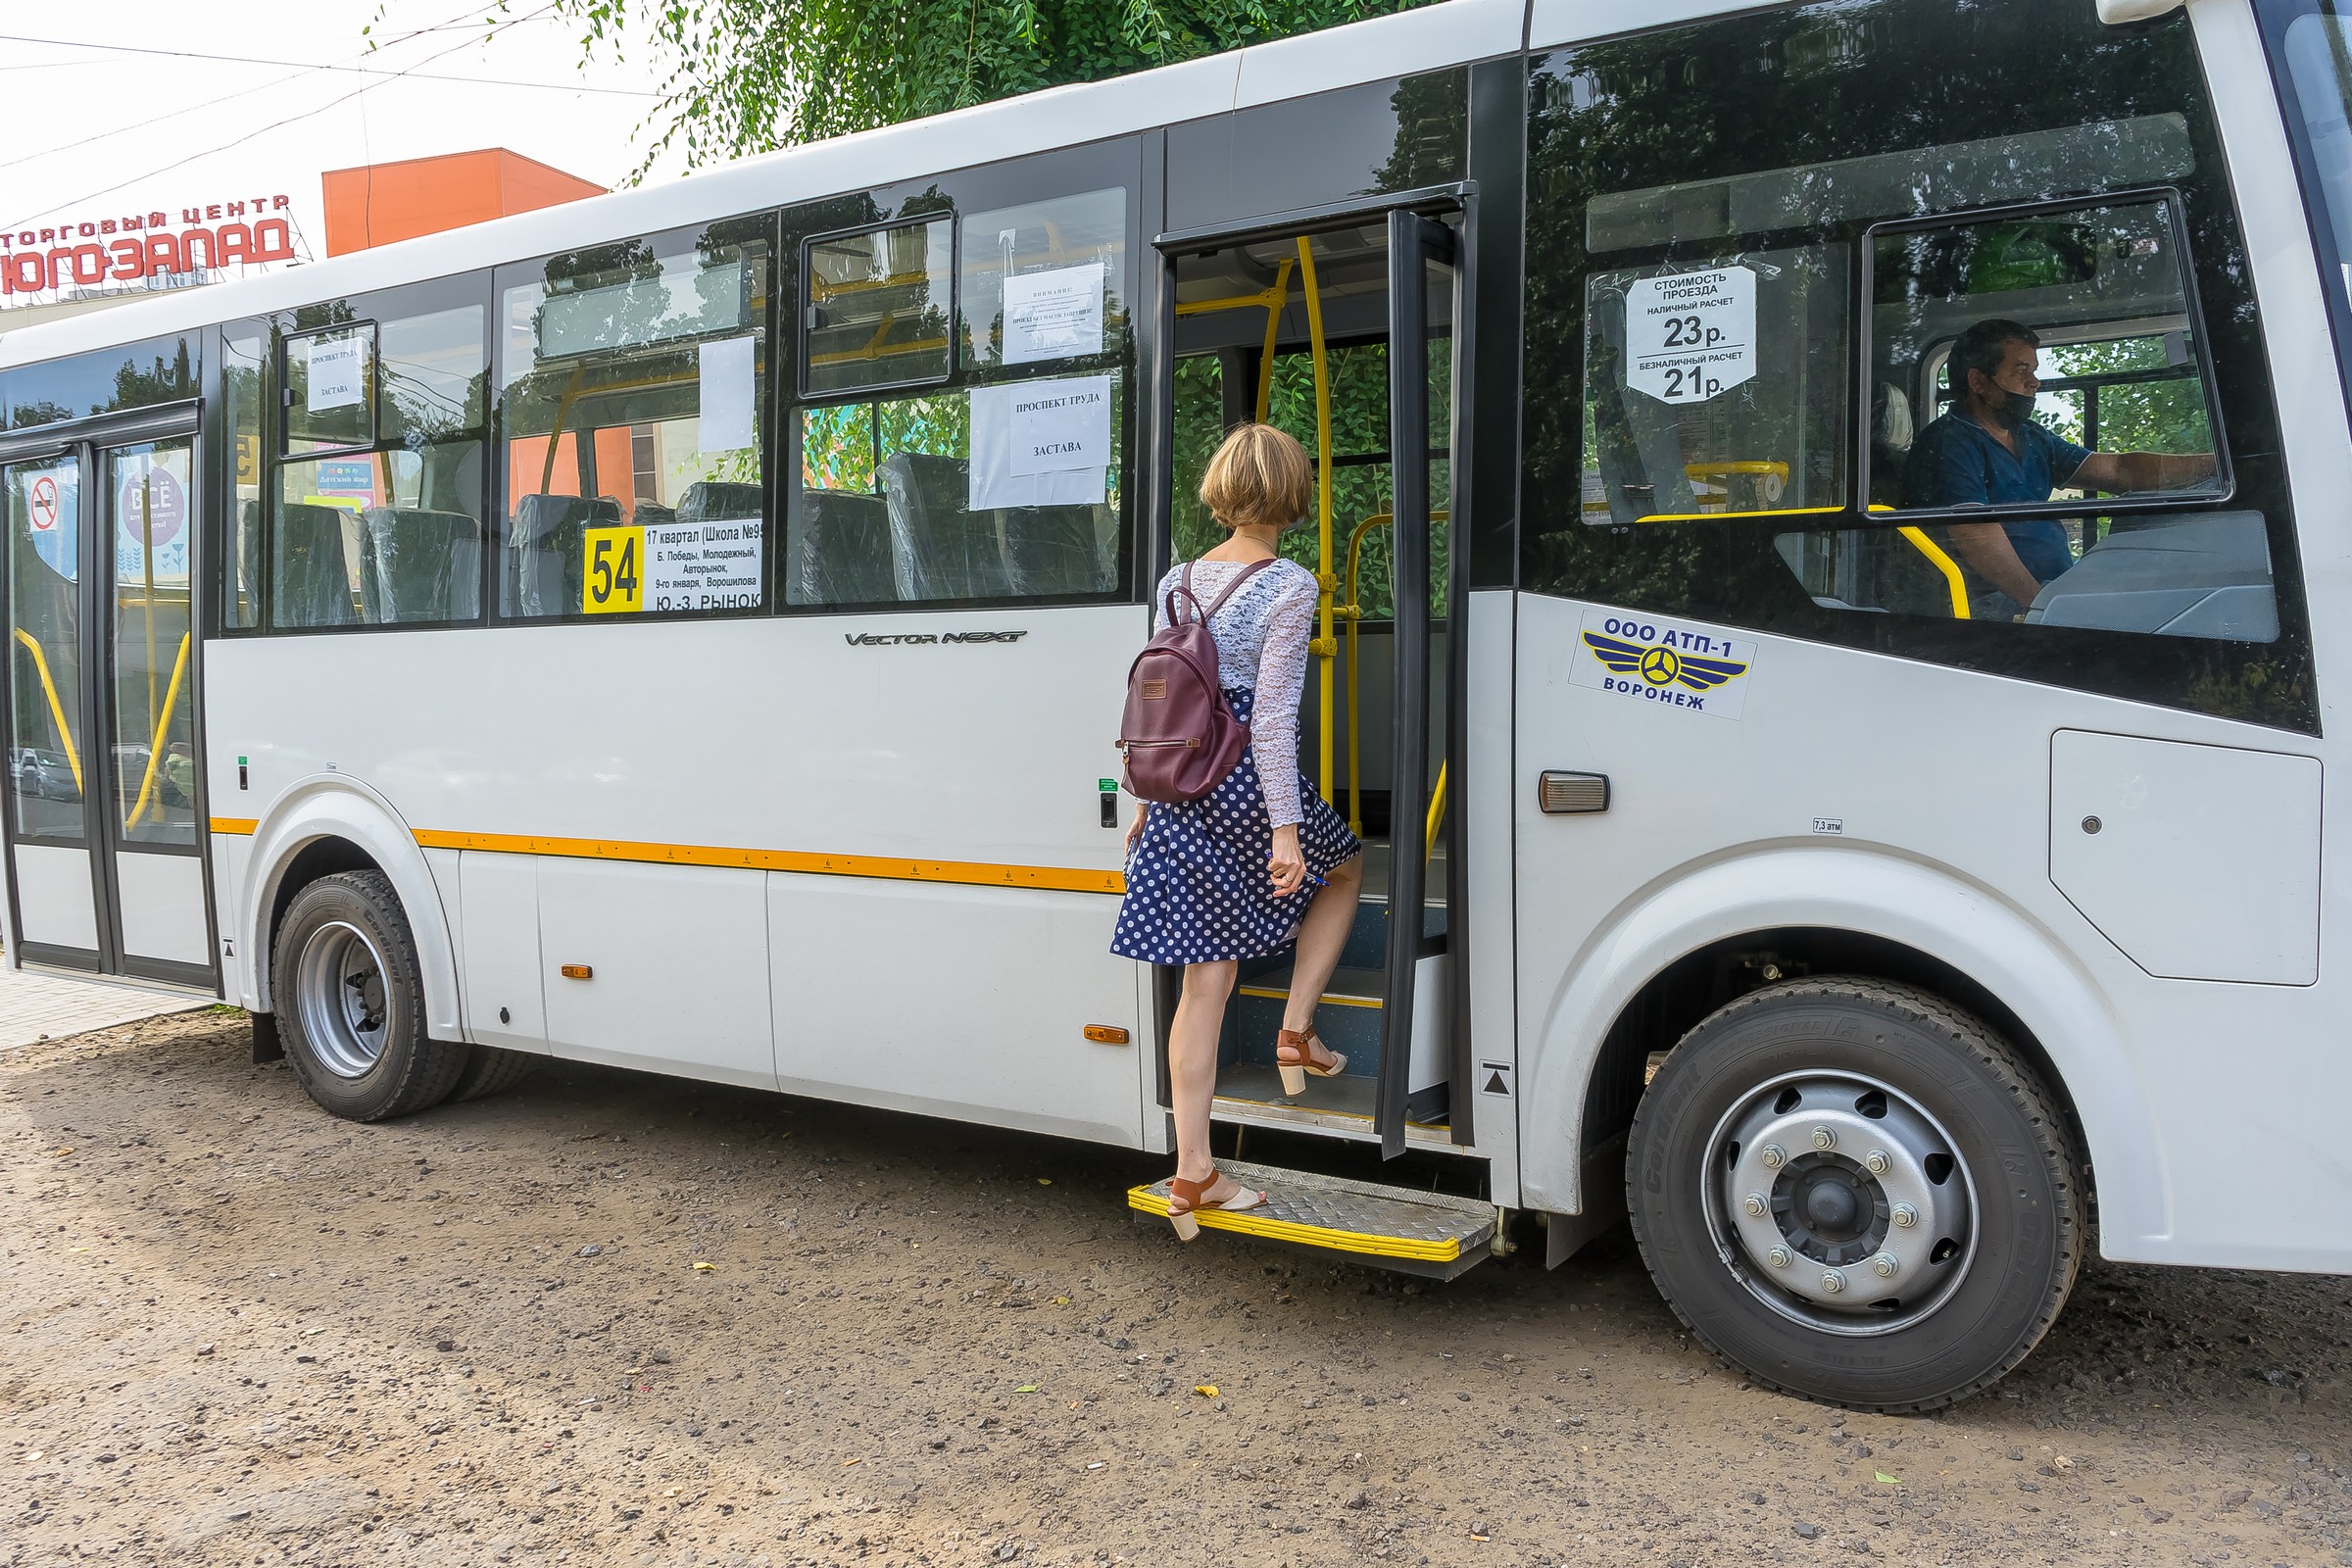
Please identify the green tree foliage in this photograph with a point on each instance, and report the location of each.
(751, 76)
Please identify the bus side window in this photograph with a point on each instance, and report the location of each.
(375, 498)
(241, 383)
(631, 419)
(1005, 485)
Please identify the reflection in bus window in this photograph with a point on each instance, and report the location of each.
(242, 568)
(877, 307)
(145, 504)
(1717, 386)
(630, 427)
(1045, 280)
(893, 506)
(390, 531)
(43, 500)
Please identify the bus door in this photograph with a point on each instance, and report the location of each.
(104, 824)
(1341, 329)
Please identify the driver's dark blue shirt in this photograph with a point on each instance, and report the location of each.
(1957, 463)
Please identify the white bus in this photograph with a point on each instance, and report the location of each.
(686, 631)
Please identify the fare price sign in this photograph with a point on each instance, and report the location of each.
(667, 568)
(1690, 336)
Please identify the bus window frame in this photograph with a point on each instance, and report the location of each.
(2192, 307)
(805, 275)
(285, 345)
(768, 399)
(415, 297)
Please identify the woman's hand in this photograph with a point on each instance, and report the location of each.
(1286, 866)
(1135, 829)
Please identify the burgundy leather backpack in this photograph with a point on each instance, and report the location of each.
(1179, 734)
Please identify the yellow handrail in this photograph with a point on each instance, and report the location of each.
(1437, 814)
(1326, 647)
(1352, 612)
(57, 709)
(155, 750)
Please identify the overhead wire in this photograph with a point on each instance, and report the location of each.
(385, 79)
(306, 67)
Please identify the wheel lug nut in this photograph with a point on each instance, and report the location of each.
(1754, 1204)
(1878, 1161)
(1886, 1265)
(1773, 1155)
(1832, 1282)
(1823, 1138)
(1778, 1258)
(1904, 1215)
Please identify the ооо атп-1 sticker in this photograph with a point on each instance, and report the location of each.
(1670, 666)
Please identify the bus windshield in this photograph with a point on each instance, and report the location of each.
(2312, 57)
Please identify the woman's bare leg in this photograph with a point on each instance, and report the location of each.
(1321, 936)
(1193, 1061)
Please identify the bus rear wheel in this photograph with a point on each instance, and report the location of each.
(1855, 1191)
(350, 1005)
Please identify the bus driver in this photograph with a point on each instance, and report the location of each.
(1987, 449)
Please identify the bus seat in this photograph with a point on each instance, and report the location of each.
(939, 548)
(1052, 549)
(715, 501)
(841, 551)
(545, 537)
(420, 566)
(652, 513)
(311, 582)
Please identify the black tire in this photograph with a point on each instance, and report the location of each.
(2017, 1163)
(490, 1070)
(391, 1067)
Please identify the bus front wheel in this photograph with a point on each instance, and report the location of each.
(350, 1004)
(1854, 1190)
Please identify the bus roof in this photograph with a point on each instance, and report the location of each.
(1454, 32)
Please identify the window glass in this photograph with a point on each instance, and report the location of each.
(242, 564)
(877, 307)
(45, 766)
(1718, 387)
(630, 417)
(137, 375)
(1045, 282)
(388, 532)
(330, 389)
(919, 499)
(145, 505)
(2114, 519)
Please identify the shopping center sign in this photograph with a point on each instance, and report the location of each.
(132, 247)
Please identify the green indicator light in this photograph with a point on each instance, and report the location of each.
(1107, 786)
(240, 762)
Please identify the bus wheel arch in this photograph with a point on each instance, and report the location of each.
(324, 828)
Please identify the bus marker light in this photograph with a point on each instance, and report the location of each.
(577, 971)
(1105, 1034)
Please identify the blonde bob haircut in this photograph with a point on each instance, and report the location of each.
(1259, 478)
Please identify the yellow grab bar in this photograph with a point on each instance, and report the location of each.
(1437, 814)
(1352, 612)
(1325, 647)
(57, 709)
(155, 750)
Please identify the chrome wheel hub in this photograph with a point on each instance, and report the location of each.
(339, 992)
(1840, 1204)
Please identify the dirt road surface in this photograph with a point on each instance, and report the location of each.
(608, 1318)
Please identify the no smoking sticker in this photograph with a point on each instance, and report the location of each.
(1690, 336)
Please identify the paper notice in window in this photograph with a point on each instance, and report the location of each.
(1053, 316)
(336, 370)
(1690, 336)
(727, 381)
(1040, 443)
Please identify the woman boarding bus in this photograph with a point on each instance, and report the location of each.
(680, 630)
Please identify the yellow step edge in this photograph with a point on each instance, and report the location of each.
(1251, 1222)
(1327, 1000)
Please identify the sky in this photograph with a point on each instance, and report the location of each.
(120, 106)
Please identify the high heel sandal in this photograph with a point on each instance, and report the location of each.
(1184, 1197)
(1295, 1055)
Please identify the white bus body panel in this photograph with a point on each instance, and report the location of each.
(54, 896)
(161, 900)
(1937, 783)
(716, 742)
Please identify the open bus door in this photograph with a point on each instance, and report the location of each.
(1344, 327)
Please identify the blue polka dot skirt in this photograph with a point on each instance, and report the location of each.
(1197, 885)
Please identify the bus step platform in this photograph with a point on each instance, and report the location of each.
(1431, 1234)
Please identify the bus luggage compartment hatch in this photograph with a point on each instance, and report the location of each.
(1398, 1228)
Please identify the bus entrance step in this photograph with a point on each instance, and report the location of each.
(1399, 1228)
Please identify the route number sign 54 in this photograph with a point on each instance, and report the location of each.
(614, 579)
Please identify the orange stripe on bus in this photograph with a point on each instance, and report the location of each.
(243, 825)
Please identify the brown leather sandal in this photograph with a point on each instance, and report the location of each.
(1301, 1051)
(1184, 1197)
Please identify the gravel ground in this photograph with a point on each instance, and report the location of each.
(611, 1318)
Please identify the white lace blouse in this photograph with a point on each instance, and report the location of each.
(1263, 632)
